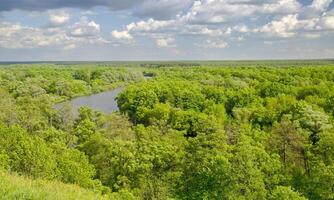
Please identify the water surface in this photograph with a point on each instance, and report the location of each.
(104, 102)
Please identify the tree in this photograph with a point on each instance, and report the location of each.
(83, 74)
(114, 161)
(193, 123)
(285, 193)
(325, 147)
(207, 169)
(27, 155)
(254, 170)
(74, 167)
(313, 120)
(289, 142)
(134, 101)
(86, 125)
(159, 162)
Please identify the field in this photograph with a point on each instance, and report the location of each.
(193, 130)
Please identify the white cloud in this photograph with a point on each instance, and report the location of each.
(223, 18)
(283, 27)
(281, 6)
(316, 9)
(321, 5)
(217, 44)
(217, 22)
(164, 42)
(150, 25)
(59, 18)
(67, 37)
(327, 22)
(18, 36)
(221, 11)
(241, 28)
(85, 28)
(121, 35)
(290, 25)
(203, 30)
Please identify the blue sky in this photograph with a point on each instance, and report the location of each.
(33, 30)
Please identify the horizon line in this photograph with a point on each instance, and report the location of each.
(153, 60)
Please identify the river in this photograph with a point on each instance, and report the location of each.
(103, 101)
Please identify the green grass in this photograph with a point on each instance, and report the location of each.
(17, 187)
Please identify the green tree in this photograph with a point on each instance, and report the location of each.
(28, 155)
(290, 143)
(285, 193)
(207, 169)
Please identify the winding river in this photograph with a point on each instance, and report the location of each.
(103, 101)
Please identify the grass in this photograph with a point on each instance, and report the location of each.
(16, 187)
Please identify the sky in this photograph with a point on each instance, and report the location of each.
(107, 30)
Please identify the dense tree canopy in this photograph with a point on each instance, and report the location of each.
(201, 132)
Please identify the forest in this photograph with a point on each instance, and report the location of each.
(246, 130)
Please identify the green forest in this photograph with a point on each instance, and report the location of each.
(207, 130)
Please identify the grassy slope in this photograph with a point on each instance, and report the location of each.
(16, 187)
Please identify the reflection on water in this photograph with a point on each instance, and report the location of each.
(104, 102)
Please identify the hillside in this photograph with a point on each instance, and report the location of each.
(17, 187)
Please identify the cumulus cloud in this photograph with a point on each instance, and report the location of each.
(59, 18)
(165, 42)
(67, 37)
(290, 25)
(230, 19)
(283, 27)
(222, 11)
(281, 6)
(327, 21)
(18, 36)
(179, 25)
(121, 35)
(217, 44)
(217, 22)
(321, 5)
(203, 30)
(151, 25)
(316, 8)
(85, 28)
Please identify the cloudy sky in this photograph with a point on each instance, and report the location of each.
(53, 30)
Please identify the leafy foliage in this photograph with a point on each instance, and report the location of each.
(252, 131)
